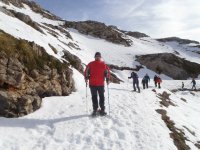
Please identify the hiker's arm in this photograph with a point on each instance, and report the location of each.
(87, 73)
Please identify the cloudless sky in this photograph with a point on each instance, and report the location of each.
(157, 18)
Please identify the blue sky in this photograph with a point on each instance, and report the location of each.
(157, 18)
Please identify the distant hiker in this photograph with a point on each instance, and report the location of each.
(135, 81)
(143, 83)
(96, 72)
(158, 80)
(155, 80)
(146, 80)
(193, 84)
(182, 85)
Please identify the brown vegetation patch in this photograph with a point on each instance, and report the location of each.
(165, 100)
(176, 134)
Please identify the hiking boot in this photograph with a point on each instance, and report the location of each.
(94, 113)
(102, 113)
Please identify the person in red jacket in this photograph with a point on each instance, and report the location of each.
(96, 72)
(158, 80)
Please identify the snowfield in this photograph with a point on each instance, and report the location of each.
(64, 123)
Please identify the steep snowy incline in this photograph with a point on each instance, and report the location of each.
(19, 29)
(185, 51)
(34, 16)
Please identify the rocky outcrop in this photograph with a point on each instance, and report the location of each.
(59, 28)
(99, 30)
(26, 19)
(27, 74)
(135, 34)
(35, 7)
(178, 40)
(170, 65)
(73, 60)
(5, 11)
(114, 78)
(138, 67)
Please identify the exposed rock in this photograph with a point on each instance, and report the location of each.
(53, 48)
(176, 134)
(17, 3)
(7, 12)
(34, 73)
(73, 60)
(27, 74)
(59, 28)
(198, 46)
(99, 30)
(73, 45)
(198, 144)
(185, 89)
(179, 40)
(35, 7)
(115, 79)
(138, 67)
(135, 34)
(183, 99)
(165, 100)
(170, 65)
(26, 19)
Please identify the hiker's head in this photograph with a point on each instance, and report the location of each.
(97, 56)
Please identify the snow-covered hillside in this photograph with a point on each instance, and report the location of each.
(64, 123)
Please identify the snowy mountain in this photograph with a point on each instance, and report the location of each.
(42, 55)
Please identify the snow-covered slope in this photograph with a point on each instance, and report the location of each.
(191, 51)
(133, 123)
(63, 123)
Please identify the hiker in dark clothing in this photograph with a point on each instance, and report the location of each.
(194, 84)
(135, 81)
(155, 80)
(143, 83)
(158, 80)
(182, 85)
(146, 80)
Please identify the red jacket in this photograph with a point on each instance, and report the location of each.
(158, 80)
(96, 72)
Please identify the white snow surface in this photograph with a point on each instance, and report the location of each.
(64, 123)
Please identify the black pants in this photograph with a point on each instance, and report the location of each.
(155, 83)
(145, 84)
(194, 86)
(159, 85)
(137, 85)
(100, 90)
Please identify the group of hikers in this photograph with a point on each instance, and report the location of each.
(193, 85)
(97, 71)
(145, 81)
